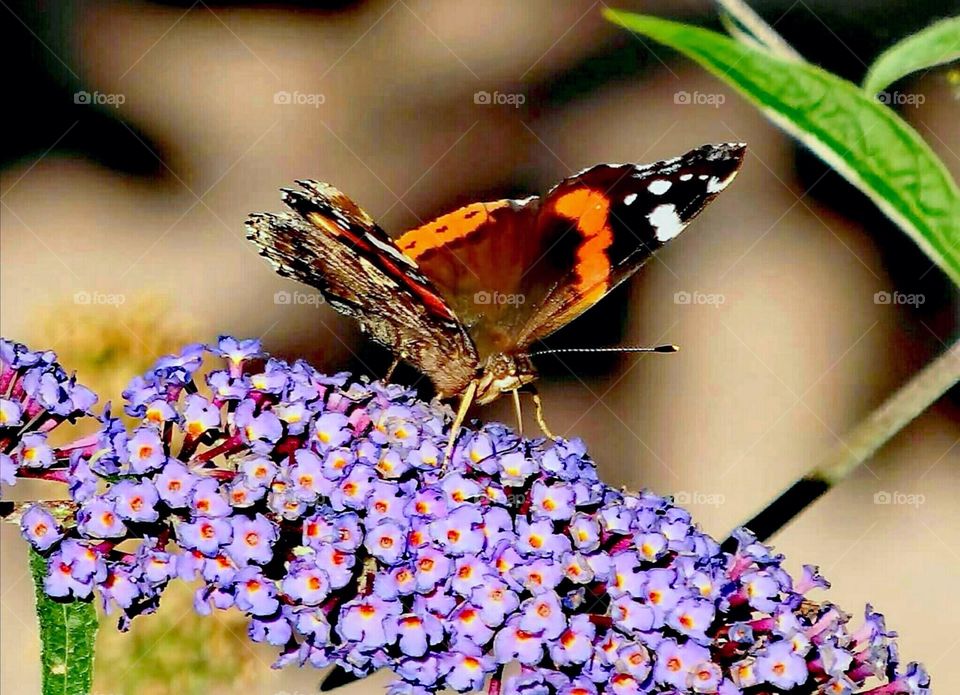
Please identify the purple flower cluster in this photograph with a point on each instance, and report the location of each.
(323, 508)
(36, 396)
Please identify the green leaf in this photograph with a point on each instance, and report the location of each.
(867, 143)
(939, 43)
(68, 631)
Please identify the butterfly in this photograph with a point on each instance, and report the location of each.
(463, 298)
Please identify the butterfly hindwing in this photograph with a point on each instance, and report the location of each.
(332, 245)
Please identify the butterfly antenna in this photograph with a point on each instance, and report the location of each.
(558, 351)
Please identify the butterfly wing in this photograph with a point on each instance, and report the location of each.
(477, 257)
(620, 215)
(331, 244)
(516, 271)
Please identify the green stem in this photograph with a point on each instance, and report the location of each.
(68, 631)
(859, 444)
(757, 29)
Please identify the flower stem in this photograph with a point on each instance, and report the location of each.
(859, 444)
(68, 631)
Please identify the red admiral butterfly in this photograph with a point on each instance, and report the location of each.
(464, 297)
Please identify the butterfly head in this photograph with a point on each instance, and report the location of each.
(503, 372)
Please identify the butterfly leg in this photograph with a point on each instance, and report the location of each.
(538, 411)
(466, 400)
(518, 410)
(393, 365)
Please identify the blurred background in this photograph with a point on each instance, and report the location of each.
(140, 135)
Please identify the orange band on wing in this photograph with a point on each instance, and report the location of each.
(447, 228)
(590, 210)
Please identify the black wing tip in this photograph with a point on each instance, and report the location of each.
(736, 150)
(724, 159)
(723, 150)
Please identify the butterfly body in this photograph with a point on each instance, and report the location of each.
(463, 298)
(503, 373)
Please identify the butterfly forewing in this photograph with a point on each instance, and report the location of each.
(477, 257)
(610, 219)
(331, 245)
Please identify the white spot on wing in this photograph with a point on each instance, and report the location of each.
(628, 200)
(659, 186)
(666, 222)
(686, 177)
(715, 185)
(390, 250)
